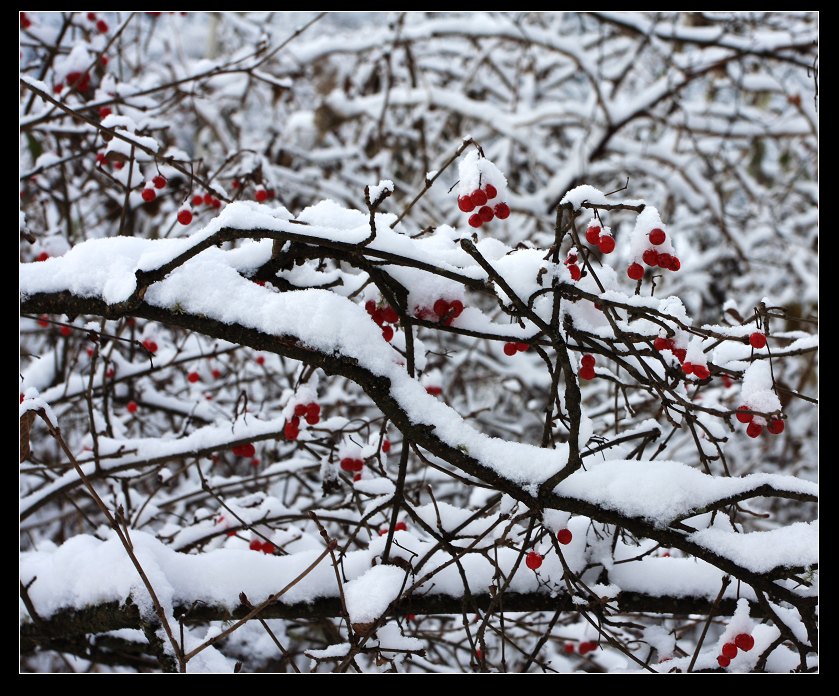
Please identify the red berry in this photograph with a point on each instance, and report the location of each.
(215, 203)
(587, 373)
(593, 235)
(291, 431)
(386, 446)
(400, 527)
(441, 307)
(378, 316)
(260, 359)
(675, 264)
(43, 321)
(25, 22)
(197, 199)
(261, 195)
(757, 340)
(148, 195)
(522, 347)
(456, 308)
(723, 661)
(57, 87)
(358, 464)
(564, 536)
(744, 417)
(91, 16)
(575, 272)
(502, 211)
(568, 648)
(664, 260)
(150, 345)
(101, 159)
(255, 545)
(490, 191)
(687, 368)
(247, 450)
(680, 354)
(131, 407)
(662, 344)
(657, 236)
(356, 477)
(159, 181)
(744, 641)
(43, 256)
(119, 165)
(65, 331)
(465, 204)
(587, 360)
(312, 419)
(478, 197)
(486, 213)
(650, 257)
(193, 377)
(434, 391)
(754, 430)
(184, 216)
(606, 244)
(216, 373)
(510, 349)
(370, 306)
(313, 410)
(104, 59)
(390, 315)
(572, 258)
(701, 371)
(587, 647)
(387, 333)
(104, 112)
(300, 410)
(775, 426)
(475, 220)
(102, 26)
(729, 650)
(268, 548)
(533, 560)
(635, 271)
(348, 464)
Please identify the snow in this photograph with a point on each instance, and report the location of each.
(368, 596)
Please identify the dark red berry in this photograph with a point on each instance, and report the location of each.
(587, 373)
(456, 308)
(575, 272)
(533, 560)
(356, 477)
(268, 548)
(386, 446)
(635, 271)
(606, 244)
(486, 213)
(775, 426)
(568, 648)
(723, 661)
(370, 306)
(25, 22)
(104, 112)
(753, 430)
(664, 260)
(757, 340)
(729, 650)
(490, 191)
(571, 258)
(475, 220)
(650, 257)
(216, 373)
(43, 321)
(193, 377)
(131, 407)
(522, 347)
(260, 359)
(587, 360)
(687, 368)
(91, 16)
(657, 236)
(184, 216)
(478, 197)
(43, 256)
(261, 195)
(312, 410)
(680, 354)
(390, 315)
(701, 371)
(148, 195)
(400, 527)
(159, 181)
(102, 26)
(291, 431)
(387, 333)
(502, 211)
(510, 349)
(150, 345)
(675, 264)
(744, 641)
(465, 204)
(197, 199)
(348, 464)
(593, 235)
(300, 410)
(441, 307)
(255, 545)
(434, 391)
(662, 344)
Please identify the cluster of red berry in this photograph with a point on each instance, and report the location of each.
(479, 199)
(597, 237)
(150, 346)
(246, 451)
(149, 193)
(587, 367)
(264, 546)
(743, 642)
(585, 647)
(352, 464)
(398, 527)
(775, 426)
(442, 311)
(101, 24)
(207, 199)
(263, 194)
(310, 412)
(701, 371)
(652, 257)
(571, 264)
(513, 348)
(103, 161)
(383, 316)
